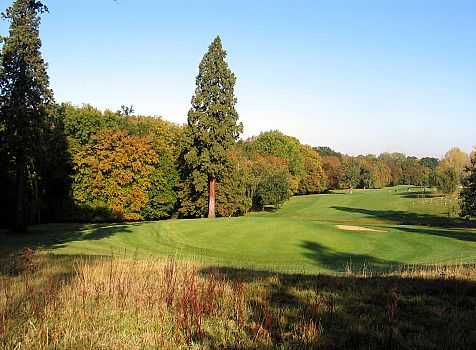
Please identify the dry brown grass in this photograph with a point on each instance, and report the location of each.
(112, 303)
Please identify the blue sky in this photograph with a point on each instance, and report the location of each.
(359, 76)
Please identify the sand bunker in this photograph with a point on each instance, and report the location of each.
(357, 228)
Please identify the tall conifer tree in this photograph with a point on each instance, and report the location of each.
(468, 194)
(25, 96)
(213, 125)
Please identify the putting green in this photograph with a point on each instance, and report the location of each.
(403, 227)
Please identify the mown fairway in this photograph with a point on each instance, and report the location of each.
(406, 227)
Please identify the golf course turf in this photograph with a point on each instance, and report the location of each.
(388, 227)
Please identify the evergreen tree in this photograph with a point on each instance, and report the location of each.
(213, 126)
(25, 98)
(468, 194)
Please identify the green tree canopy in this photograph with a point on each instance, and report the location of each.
(429, 162)
(275, 143)
(458, 160)
(447, 179)
(327, 151)
(468, 194)
(350, 173)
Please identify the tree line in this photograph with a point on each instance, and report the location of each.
(61, 162)
(392, 169)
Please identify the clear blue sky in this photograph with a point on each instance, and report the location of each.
(359, 76)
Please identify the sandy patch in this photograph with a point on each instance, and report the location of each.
(357, 228)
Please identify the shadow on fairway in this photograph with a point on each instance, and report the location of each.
(420, 195)
(448, 233)
(337, 261)
(408, 218)
(333, 192)
(380, 312)
(54, 236)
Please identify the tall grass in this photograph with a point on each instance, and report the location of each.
(117, 303)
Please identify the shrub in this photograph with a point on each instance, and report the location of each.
(273, 190)
(447, 180)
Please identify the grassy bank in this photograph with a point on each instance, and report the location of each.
(66, 302)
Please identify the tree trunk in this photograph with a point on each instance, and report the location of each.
(20, 224)
(211, 196)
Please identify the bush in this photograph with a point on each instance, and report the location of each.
(273, 190)
(447, 180)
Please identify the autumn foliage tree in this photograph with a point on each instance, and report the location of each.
(124, 167)
(314, 180)
(114, 172)
(212, 127)
(458, 160)
(331, 165)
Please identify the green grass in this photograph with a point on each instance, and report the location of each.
(301, 237)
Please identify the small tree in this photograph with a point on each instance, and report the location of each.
(25, 98)
(447, 180)
(468, 194)
(213, 126)
(350, 174)
(314, 180)
(273, 189)
(458, 160)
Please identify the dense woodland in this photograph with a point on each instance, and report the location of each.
(109, 166)
(61, 162)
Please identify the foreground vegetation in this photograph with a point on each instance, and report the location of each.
(58, 302)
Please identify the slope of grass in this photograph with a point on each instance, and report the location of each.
(413, 228)
(102, 303)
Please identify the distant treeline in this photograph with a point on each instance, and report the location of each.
(391, 169)
(111, 166)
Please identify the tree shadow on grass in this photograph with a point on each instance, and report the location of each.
(54, 236)
(333, 192)
(420, 195)
(354, 312)
(410, 218)
(446, 233)
(338, 261)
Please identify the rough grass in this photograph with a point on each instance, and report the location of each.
(65, 302)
